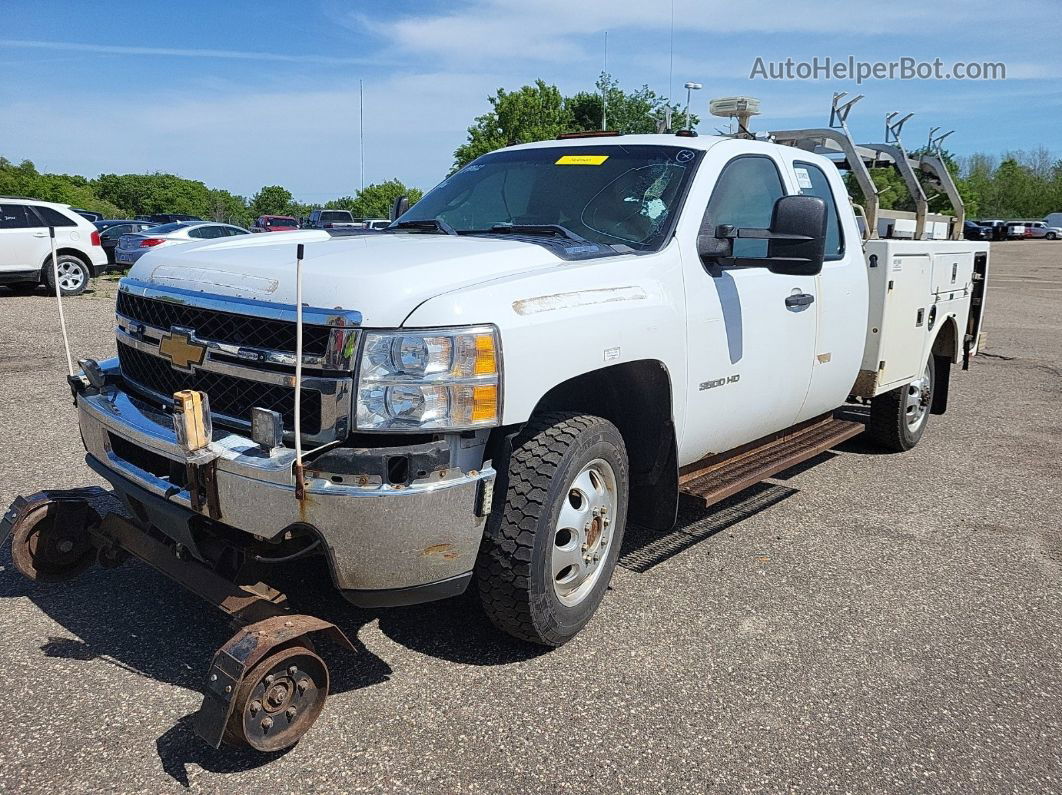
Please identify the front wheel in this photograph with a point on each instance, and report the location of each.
(549, 551)
(898, 418)
(1051, 236)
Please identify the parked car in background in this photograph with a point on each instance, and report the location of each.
(1015, 230)
(132, 247)
(275, 223)
(330, 219)
(112, 230)
(998, 228)
(168, 218)
(975, 231)
(377, 223)
(1040, 229)
(88, 214)
(26, 250)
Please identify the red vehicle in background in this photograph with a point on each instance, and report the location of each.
(275, 223)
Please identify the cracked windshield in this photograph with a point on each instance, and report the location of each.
(622, 196)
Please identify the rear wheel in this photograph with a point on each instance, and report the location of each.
(898, 418)
(74, 274)
(549, 552)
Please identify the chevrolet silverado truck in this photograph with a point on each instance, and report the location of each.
(559, 339)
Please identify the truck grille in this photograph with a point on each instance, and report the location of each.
(229, 395)
(209, 324)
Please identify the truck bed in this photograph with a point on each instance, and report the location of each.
(916, 285)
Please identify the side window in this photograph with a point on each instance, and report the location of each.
(115, 232)
(200, 232)
(812, 182)
(53, 217)
(745, 195)
(13, 216)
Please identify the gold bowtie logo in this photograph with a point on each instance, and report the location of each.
(177, 346)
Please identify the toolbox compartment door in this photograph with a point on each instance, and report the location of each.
(900, 297)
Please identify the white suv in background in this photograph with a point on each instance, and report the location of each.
(25, 248)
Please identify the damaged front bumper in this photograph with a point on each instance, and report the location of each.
(386, 544)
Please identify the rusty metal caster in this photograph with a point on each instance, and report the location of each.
(266, 686)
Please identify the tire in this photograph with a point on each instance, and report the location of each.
(74, 274)
(898, 418)
(1051, 236)
(541, 577)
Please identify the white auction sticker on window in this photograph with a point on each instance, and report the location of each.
(803, 179)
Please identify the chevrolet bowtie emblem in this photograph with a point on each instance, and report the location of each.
(177, 346)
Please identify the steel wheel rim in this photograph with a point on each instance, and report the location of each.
(916, 403)
(583, 532)
(71, 275)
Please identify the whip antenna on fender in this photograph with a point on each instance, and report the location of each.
(300, 485)
(59, 300)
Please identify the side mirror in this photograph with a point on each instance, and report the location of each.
(399, 207)
(796, 238)
(797, 244)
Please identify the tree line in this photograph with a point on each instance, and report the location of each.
(128, 195)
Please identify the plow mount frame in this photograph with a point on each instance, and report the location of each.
(259, 610)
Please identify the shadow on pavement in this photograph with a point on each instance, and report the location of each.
(134, 618)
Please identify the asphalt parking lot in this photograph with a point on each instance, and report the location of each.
(869, 623)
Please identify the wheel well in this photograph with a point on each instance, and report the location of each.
(636, 398)
(72, 252)
(943, 353)
(946, 342)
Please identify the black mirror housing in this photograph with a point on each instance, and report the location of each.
(797, 244)
(399, 207)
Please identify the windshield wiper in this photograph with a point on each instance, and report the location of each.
(538, 229)
(427, 223)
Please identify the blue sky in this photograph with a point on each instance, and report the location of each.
(245, 94)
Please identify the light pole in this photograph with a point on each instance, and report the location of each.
(690, 88)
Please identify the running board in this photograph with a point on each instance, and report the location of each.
(718, 477)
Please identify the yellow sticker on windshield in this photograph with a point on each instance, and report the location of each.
(581, 160)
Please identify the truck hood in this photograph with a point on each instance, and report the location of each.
(383, 276)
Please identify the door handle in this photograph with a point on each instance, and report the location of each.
(800, 299)
(39, 234)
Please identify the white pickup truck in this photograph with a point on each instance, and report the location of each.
(569, 326)
(557, 340)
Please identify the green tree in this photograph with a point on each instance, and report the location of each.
(375, 200)
(271, 200)
(638, 112)
(532, 113)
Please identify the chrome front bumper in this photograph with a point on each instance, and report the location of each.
(378, 537)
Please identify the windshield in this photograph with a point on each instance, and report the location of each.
(336, 215)
(166, 228)
(280, 222)
(608, 194)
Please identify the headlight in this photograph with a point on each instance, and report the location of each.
(426, 380)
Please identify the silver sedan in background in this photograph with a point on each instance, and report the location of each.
(133, 247)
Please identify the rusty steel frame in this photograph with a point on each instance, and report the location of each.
(259, 609)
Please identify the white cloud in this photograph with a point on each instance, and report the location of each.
(119, 49)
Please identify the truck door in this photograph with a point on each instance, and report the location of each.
(840, 293)
(750, 333)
